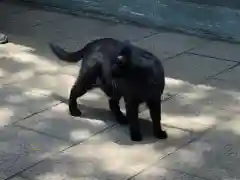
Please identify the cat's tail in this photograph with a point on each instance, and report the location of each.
(72, 57)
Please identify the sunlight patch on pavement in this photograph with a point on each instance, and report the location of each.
(6, 115)
(91, 96)
(82, 134)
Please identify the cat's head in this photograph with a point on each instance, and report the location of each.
(121, 63)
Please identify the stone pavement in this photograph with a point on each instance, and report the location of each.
(40, 141)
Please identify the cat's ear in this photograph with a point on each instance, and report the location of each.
(125, 53)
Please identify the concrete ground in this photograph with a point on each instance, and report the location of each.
(40, 141)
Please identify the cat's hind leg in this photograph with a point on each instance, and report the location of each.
(84, 82)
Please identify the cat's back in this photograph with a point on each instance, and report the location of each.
(147, 60)
(103, 45)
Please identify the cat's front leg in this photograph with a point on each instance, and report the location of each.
(115, 108)
(154, 106)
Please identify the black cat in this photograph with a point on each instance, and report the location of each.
(120, 69)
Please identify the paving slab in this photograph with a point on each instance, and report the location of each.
(69, 27)
(58, 123)
(215, 156)
(184, 112)
(21, 148)
(215, 100)
(226, 85)
(20, 60)
(213, 95)
(231, 75)
(165, 45)
(179, 113)
(200, 107)
(191, 69)
(8, 9)
(18, 103)
(128, 32)
(26, 19)
(48, 83)
(110, 155)
(220, 50)
(159, 173)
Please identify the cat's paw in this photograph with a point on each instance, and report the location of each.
(161, 135)
(122, 119)
(136, 137)
(75, 113)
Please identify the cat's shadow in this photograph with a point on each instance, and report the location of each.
(106, 116)
(146, 130)
(123, 130)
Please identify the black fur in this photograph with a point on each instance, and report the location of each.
(121, 70)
